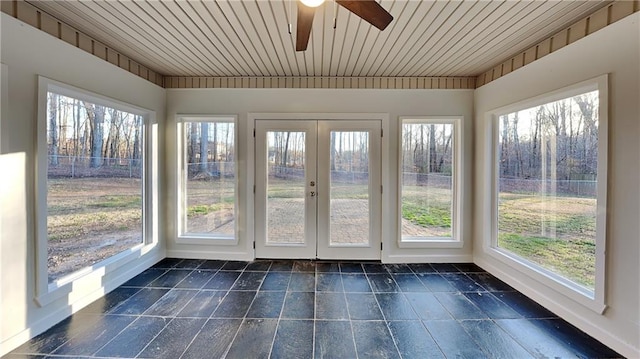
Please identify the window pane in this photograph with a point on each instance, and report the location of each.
(427, 180)
(547, 170)
(210, 178)
(94, 183)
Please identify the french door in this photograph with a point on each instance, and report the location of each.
(318, 189)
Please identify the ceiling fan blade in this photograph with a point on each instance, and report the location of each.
(368, 10)
(303, 29)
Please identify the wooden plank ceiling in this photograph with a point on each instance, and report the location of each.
(232, 38)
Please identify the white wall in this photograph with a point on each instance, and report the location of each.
(29, 52)
(395, 103)
(614, 50)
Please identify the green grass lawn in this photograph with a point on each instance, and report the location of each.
(558, 233)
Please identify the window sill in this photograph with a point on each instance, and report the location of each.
(199, 239)
(429, 242)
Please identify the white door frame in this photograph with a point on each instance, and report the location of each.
(386, 227)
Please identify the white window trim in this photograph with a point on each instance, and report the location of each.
(456, 240)
(183, 237)
(91, 277)
(595, 300)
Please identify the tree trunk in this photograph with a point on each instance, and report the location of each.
(204, 144)
(53, 129)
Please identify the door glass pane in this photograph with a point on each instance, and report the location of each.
(349, 189)
(285, 187)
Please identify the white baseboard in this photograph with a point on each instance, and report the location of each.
(428, 258)
(565, 312)
(211, 255)
(43, 324)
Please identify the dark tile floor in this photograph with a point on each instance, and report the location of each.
(304, 309)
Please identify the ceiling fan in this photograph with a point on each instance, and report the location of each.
(368, 10)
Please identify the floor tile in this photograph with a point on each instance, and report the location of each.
(372, 268)
(490, 282)
(413, 340)
(355, 283)
(203, 304)
(398, 268)
(143, 279)
(327, 267)
(235, 304)
(436, 283)
(211, 265)
(524, 306)
(331, 305)
(196, 279)
(538, 341)
(334, 339)
(409, 283)
(363, 306)
(171, 303)
(491, 305)
(349, 267)
(249, 281)
(140, 302)
(382, 283)
(189, 263)
(427, 306)
(373, 340)
(173, 339)
(421, 268)
(267, 304)
(459, 306)
(582, 344)
(170, 278)
(59, 334)
(444, 267)
(94, 337)
(462, 283)
(110, 301)
(281, 266)
(299, 305)
(222, 280)
(167, 263)
(214, 339)
(395, 306)
(329, 282)
(234, 265)
(304, 266)
(469, 268)
(302, 282)
(301, 309)
(134, 338)
(453, 340)
(276, 281)
(254, 339)
(294, 340)
(495, 341)
(259, 265)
